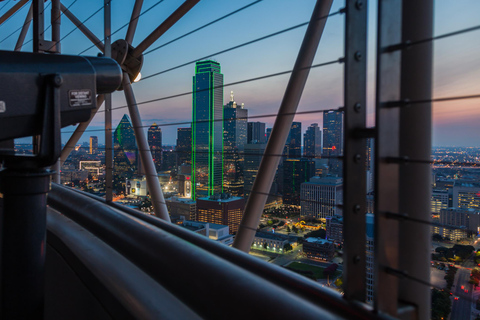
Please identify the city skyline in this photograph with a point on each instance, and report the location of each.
(456, 72)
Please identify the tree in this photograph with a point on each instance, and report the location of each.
(441, 304)
(287, 247)
(437, 237)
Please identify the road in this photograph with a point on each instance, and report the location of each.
(462, 308)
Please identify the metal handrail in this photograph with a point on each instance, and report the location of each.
(139, 237)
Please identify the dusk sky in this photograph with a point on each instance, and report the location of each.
(456, 60)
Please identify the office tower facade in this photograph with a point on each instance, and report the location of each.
(293, 146)
(461, 217)
(207, 129)
(321, 196)
(184, 146)
(253, 157)
(312, 141)
(235, 137)
(125, 151)
(296, 172)
(93, 145)
(466, 194)
(169, 160)
(256, 132)
(221, 209)
(333, 139)
(155, 144)
(439, 200)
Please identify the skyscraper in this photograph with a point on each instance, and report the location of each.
(124, 150)
(312, 141)
(155, 144)
(253, 157)
(333, 139)
(207, 129)
(321, 196)
(256, 132)
(269, 132)
(235, 137)
(93, 145)
(296, 172)
(293, 146)
(184, 146)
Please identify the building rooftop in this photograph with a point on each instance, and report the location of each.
(223, 197)
(328, 180)
(271, 236)
(317, 240)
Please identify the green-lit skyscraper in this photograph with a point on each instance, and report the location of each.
(207, 129)
(124, 150)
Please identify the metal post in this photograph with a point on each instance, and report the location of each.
(170, 21)
(14, 9)
(153, 184)
(108, 108)
(55, 21)
(134, 21)
(77, 134)
(23, 242)
(23, 33)
(354, 170)
(415, 143)
(38, 25)
(38, 33)
(293, 93)
(387, 146)
(83, 28)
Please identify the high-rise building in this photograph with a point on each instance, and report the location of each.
(155, 144)
(333, 139)
(256, 132)
(125, 151)
(221, 209)
(253, 157)
(268, 133)
(312, 141)
(321, 197)
(293, 146)
(235, 137)
(93, 145)
(207, 129)
(296, 172)
(184, 146)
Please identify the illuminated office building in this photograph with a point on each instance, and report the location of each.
(221, 209)
(207, 129)
(93, 145)
(235, 137)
